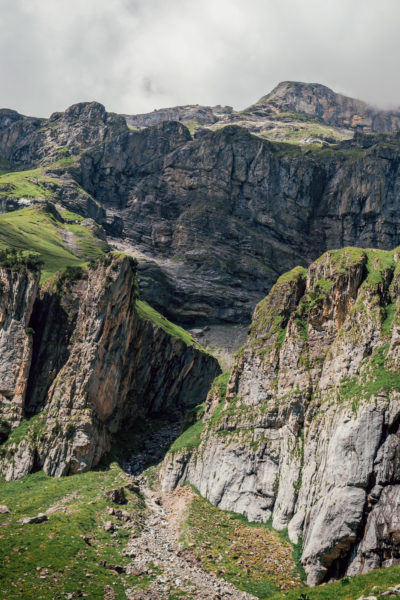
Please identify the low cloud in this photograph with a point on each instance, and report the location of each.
(137, 55)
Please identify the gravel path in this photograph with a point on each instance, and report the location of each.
(156, 551)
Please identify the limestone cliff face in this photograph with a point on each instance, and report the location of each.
(228, 207)
(99, 362)
(17, 295)
(308, 432)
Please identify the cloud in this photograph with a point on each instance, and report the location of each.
(137, 55)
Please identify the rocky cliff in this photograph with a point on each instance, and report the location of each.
(18, 288)
(100, 360)
(306, 430)
(320, 102)
(215, 212)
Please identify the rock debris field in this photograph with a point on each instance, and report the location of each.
(157, 552)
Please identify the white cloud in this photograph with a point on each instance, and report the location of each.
(136, 55)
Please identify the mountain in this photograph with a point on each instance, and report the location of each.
(305, 429)
(321, 103)
(209, 215)
(214, 216)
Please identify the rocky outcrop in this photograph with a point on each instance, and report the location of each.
(320, 102)
(224, 214)
(18, 290)
(101, 359)
(307, 433)
(215, 214)
(204, 115)
(288, 98)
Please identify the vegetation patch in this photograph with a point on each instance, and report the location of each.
(251, 556)
(348, 588)
(27, 184)
(38, 229)
(378, 261)
(375, 377)
(148, 313)
(64, 555)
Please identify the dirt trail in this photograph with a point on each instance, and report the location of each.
(157, 552)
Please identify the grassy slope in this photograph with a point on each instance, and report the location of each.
(348, 588)
(47, 560)
(26, 184)
(252, 556)
(36, 228)
(147, 312)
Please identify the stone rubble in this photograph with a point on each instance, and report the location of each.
(157, 547)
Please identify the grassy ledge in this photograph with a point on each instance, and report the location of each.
(145, 311)
(38, 229)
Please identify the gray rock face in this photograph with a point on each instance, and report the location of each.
(202, 114)
(101, 359)
(17, 295)
(225, 213)
(308, 433)
(320, 102)
(216, 216)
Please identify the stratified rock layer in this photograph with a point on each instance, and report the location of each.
(17, 295)
(217, 210)
(308, 433)
(99, 362)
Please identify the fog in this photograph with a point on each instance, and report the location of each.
(137, 55)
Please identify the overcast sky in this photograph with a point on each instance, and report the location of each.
(137, 55)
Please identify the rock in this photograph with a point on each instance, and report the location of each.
(316, 385)
(254, 208)
(40, 518)
(54, 509)
(117, 496)
(117, 568)
(18, 294)
(123, 515)
(97, 343)
(133, 487)
(109, 526)
(321, 103)
(4, 509)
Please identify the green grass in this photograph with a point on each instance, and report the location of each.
(38, 229)
(48, 560)
(348, 588)
(378, 261)
(375, 377)
(190, 439)
(71, 217)
(241, 552)
(26, 184)
(145, 311)
(209, 533)
(220, 384)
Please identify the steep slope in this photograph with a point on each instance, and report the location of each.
(320, 102)
(18, 289)
(63, 239)
(215, 216)
(307, 433)
(225, 213)
(100, 360)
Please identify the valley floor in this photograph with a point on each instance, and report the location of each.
(160, 546)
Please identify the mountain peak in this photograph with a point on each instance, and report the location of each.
(319, 102)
